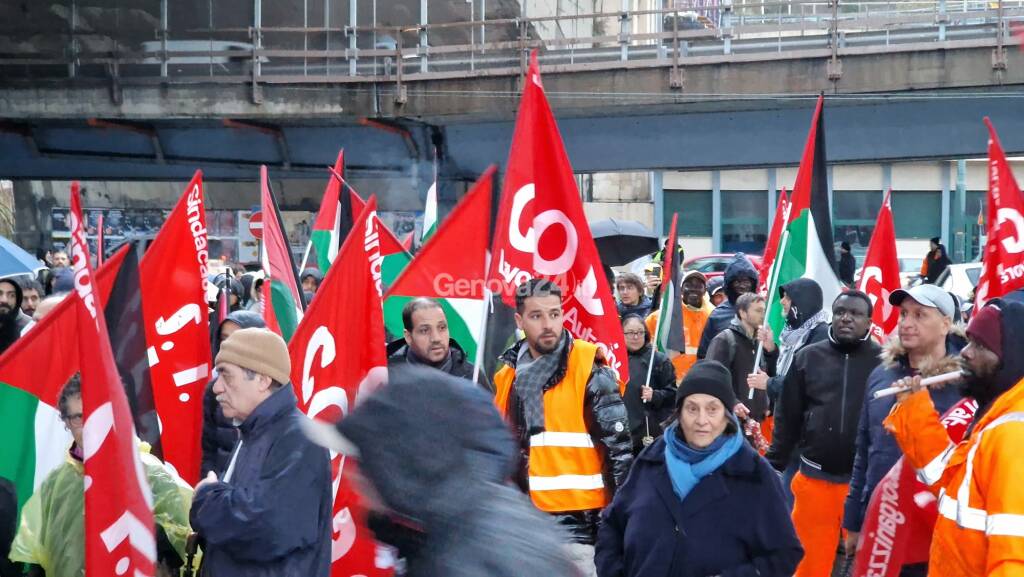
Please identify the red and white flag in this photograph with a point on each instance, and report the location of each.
(1002, 269)
(119, 524)
(543, 232)
(880, 276)
(338, 356)
(772, 246)
(172, 276)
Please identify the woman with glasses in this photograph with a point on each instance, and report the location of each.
(648, 400)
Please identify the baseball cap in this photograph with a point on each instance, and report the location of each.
(928, 295)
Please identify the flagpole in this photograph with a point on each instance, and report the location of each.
(772, 289)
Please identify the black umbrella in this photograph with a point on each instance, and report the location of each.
(622, 241)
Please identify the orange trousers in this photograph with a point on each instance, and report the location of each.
(818, 518)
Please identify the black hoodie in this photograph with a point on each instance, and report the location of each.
(1011, 367)
(806, 298)
(219, 433)
(722, 316)
(14, 321)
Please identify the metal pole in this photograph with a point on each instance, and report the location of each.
(163, 38)
(423, 35)
(73, 65)
(352, 38)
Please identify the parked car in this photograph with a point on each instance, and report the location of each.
(713, 265)
(910, 270)
(960, 279)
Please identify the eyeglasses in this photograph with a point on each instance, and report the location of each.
(75, 419)
(634, 334)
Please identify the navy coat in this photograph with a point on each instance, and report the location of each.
(274, 516)
(734, 523)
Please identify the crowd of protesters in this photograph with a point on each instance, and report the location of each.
(743, 454)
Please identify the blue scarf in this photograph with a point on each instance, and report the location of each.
(687, 466)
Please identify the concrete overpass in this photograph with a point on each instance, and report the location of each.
(733, 93)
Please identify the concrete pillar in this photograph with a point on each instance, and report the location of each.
(658, 196)
(946, 233)
(716, 211)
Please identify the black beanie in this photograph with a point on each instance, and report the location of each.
(710, 378)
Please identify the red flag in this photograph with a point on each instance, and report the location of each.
(772, 246)
(407, 241)
(338, 356)
(119, 524)
(881, 273)
(901, 515)
(542, 230)
(172, 276)
(1002, 269)
(46, 357)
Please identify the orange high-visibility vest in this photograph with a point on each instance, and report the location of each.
(980, 529)
(565, 470)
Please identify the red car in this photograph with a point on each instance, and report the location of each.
(713, 265)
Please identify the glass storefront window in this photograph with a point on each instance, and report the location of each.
(744, 221)
(694, 208)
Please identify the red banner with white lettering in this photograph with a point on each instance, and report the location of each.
(1002, 269)
(543, 232)
(172, 276)
(881, 273)
(338, 356)
(901, 515)
(119, 525)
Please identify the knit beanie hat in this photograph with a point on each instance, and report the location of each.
(986, 327)
(709, 378)
(258, 350)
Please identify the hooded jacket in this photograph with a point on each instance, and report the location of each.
(273, 517)
(14, 321)
(314, 273)
(877, 450)
(820, 408)
(935, 264)
(980, 529)
(722, 316)
(604, 413)
(734, 523)
(219, 433)
(399, 354)
(465, 520)
(641, 309)
(806, 298)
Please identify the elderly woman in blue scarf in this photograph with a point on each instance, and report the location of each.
(700, 501)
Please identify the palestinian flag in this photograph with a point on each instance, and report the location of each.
(806, 249)
(333, 221)
(394, 257)
(772, 246)
(287, 304)
(669, 332)
(32, 373)
(451, 268)
(430, 213)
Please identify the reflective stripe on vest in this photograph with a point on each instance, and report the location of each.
(932, 472)
(959, 510)
(565, 469)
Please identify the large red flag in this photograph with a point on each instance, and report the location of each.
(338, 356)
(772, 246)
(881, 273)
(172, 275)
(1002, 268)
(119, 524)
(542, 230)
(902, 511)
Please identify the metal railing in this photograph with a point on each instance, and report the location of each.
(493, 40)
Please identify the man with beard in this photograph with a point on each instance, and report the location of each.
(566, 411)
(980, 528)
(426, 342)
(740, 278)
(12, 320)
(696, 310)
(819, 410)
(31, 294)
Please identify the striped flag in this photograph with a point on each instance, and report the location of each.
(286, 301)
(806, 249)
(669, 331)
(328, 227)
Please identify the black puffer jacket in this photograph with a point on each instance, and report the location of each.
(821, 405)
(459, 516)
(219, 433)
(14, 321)
(399, 354)
(720, 318)
(605, 414)
(737, 351)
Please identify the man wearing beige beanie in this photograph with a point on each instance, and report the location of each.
(270, 514)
